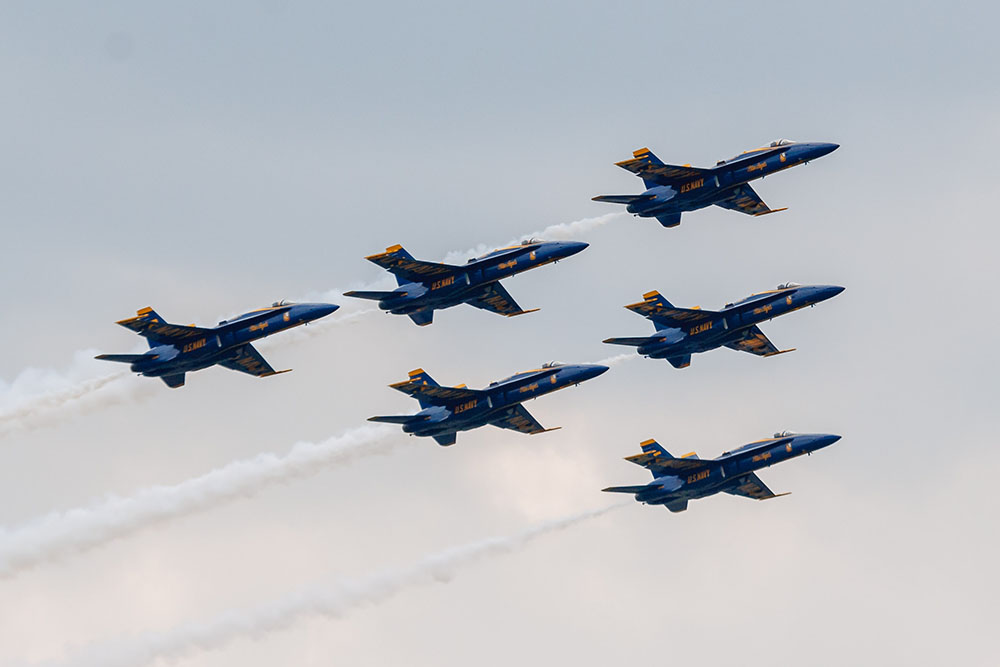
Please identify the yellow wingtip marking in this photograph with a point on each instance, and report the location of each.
(147, 309)
(689, 455)
(650, 295)
(394, 248)
(416, 371)
(640, 152)
(647, 442)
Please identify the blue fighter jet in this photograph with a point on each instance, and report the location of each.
(674, 189)
(175, 349)
(678, 480)
(428, 286)
(448, 410)
(681, 332)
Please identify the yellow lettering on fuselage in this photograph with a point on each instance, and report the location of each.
(196, 345)
(692, 185)
(444, 282)
(530, 387)
(762, 310)
(698, 476)
(507, 265)
(705, 326)
(468, 405)
(258, 327)
(757, 167)
(761, 457)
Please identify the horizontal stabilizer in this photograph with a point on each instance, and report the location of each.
(634, 342)
(374, 296)
(397, 419)
(623, 199)
(625, 489)
(122, 358)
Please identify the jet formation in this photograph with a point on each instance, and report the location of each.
(675, 189)
(681, 332)
(425, 287)
(428, 286)
(678, 480)
(448, 410)
(175, 349)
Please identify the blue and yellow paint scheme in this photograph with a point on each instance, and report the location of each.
(675, 189)
(678, 480)
(176, 349)
(448, 410)
(428, 286)
(681, 332)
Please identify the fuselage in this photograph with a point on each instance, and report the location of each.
(498, 398)
(718, 183)
(219, 342)
(718, 474)
(469, 280)
(731, 322)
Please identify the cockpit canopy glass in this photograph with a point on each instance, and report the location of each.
(784, 434)
(781, 142)
(552, 364)
(788, 285)
(531, 241)
(283, 302)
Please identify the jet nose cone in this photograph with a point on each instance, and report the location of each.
(825, 149)
(314, 311)
(825, 441)
(593, 370)
(830, 291)
(566, 248)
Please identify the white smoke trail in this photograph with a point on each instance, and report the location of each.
(59, 533)
(332, 602)
(38, 396)
(611, 362)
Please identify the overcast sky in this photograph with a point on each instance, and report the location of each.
(210, 160)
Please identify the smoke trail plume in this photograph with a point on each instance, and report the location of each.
(329, 602)
(611, 362)
(59, 533)
(39, 396)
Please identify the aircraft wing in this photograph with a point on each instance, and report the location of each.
(672, 317)
(648, 167)
(496, 299)
(654, 461)
(148, 324)
(745, 200)
(248, 360)
(519, 419)
(436, 393)
(750, 486)
(398, 262)
(755, 342)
